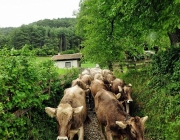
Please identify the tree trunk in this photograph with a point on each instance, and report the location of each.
(65, 43)
(175, 37)
(60, 44)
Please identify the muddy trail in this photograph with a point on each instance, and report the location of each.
(92, 131)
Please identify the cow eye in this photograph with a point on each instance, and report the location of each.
(133, 132)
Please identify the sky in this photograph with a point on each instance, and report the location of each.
(14, 13)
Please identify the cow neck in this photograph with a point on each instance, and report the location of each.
(127, 117)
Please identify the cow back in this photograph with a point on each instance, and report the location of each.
(97, 85)
(75, 96)
(115, 83)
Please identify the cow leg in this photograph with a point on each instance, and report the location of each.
(72, 133)
(71, 136)
(101, 131)
(119, 138)
(127, 107)
(108, 133)
(81, 133)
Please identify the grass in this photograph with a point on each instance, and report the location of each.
(88, 65)
(40, 59)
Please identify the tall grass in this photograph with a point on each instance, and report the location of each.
(40, 59)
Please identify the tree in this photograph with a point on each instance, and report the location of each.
(20, 38)
(111, 28)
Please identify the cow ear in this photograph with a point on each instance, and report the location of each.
(80, 76)
(121, 124)
(130, 85)
(50, 111)
(143, 119)
(77, 110)
(120, 88)
(118, 95)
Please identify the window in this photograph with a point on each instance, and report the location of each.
(68, 64)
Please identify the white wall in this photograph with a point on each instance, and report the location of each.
(61, 64)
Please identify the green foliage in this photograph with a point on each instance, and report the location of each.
(68, 52)
(47, 37)
(26, 88)
(114, 28)
(156, 94)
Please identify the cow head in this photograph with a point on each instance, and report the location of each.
(134, 127)
(109, 78)
(99, 76)
(80, 83)
(87, 79)
(126, 93)
(64, 115)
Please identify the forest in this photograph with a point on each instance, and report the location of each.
(46, 37)
(105, 32)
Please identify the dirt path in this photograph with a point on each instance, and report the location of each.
(92, 130)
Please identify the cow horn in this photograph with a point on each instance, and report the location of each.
(120, 88)
(121, 124)
(130, 85)
(143, 119)
(118, 95)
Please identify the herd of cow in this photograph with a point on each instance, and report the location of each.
(111, 97)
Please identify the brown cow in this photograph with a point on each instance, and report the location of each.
(86, 71)
(86, 78)
(115, 83)
(118, 124)
(80, 83)
(94, 71)
(119, 86)
(97, 85)
(99, 76)
(109, 78)
(70, 113)
(106, 72)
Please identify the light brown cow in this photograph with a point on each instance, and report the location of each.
(115, 83)
(80, 83)
(119, 86)
(99, 76)
(106, 72)
(94, 71)
(118, 124)
(109, 78)
(71, 113)
(86, 71)
(97, 85)
(86, 78)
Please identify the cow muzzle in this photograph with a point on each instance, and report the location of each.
(62, 138)
(128, 101)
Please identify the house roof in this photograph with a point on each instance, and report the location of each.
(59, 57)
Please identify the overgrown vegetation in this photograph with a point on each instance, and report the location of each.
(26, 88)
(115, 29)
(45, 37)
(156, 94)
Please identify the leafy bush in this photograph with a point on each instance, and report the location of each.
(156, 94)
(26, 87)
(68, 52)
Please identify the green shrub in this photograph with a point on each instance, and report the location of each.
(156, 93)
(26, 88)
(68, 52)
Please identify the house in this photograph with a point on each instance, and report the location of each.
(67, 60)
